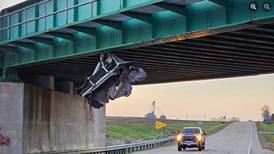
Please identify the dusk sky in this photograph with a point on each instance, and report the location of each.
(240, 97)
(236, 97)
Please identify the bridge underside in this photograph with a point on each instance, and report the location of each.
(230, 54)
(172, 40)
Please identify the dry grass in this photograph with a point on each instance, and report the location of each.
(265, 143)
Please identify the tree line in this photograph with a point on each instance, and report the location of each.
(266, 113)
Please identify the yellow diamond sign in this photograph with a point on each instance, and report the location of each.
(159, 124)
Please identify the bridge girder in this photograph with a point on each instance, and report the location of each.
(49, 32)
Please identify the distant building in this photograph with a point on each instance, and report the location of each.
(223, 118)
(163, 117)
(150, 115)
(234, 119)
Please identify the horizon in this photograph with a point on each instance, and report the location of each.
(157, 118)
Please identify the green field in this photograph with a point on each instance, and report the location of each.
(265, 127)
(145, 131)
(209, 126)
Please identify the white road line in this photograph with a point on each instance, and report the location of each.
(251, 138)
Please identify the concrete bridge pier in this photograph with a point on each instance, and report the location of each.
(40, 119)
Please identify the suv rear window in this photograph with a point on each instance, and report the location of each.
(191, 130)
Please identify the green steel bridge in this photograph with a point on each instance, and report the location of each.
(173, 40)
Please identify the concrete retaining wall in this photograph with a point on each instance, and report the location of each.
(48, 120)
(11, 117)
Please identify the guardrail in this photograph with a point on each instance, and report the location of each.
(268, 133)
(119, 149)
(24, 19)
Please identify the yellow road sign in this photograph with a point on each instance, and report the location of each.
(159, 124)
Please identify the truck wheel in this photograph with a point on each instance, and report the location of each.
(179, 147)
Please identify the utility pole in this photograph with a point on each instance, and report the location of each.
(153, 107)
(204, 116)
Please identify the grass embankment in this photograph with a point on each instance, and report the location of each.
(267, 140)
(132, 132)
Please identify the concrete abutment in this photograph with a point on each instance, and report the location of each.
(36, 119)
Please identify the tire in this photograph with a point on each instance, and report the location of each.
(94, 103)
(204, 146)
(200, 147)
(184, 148)
(179, 147)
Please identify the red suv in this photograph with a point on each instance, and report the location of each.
(191, 137)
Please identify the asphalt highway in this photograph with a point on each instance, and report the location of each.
(237, 138)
